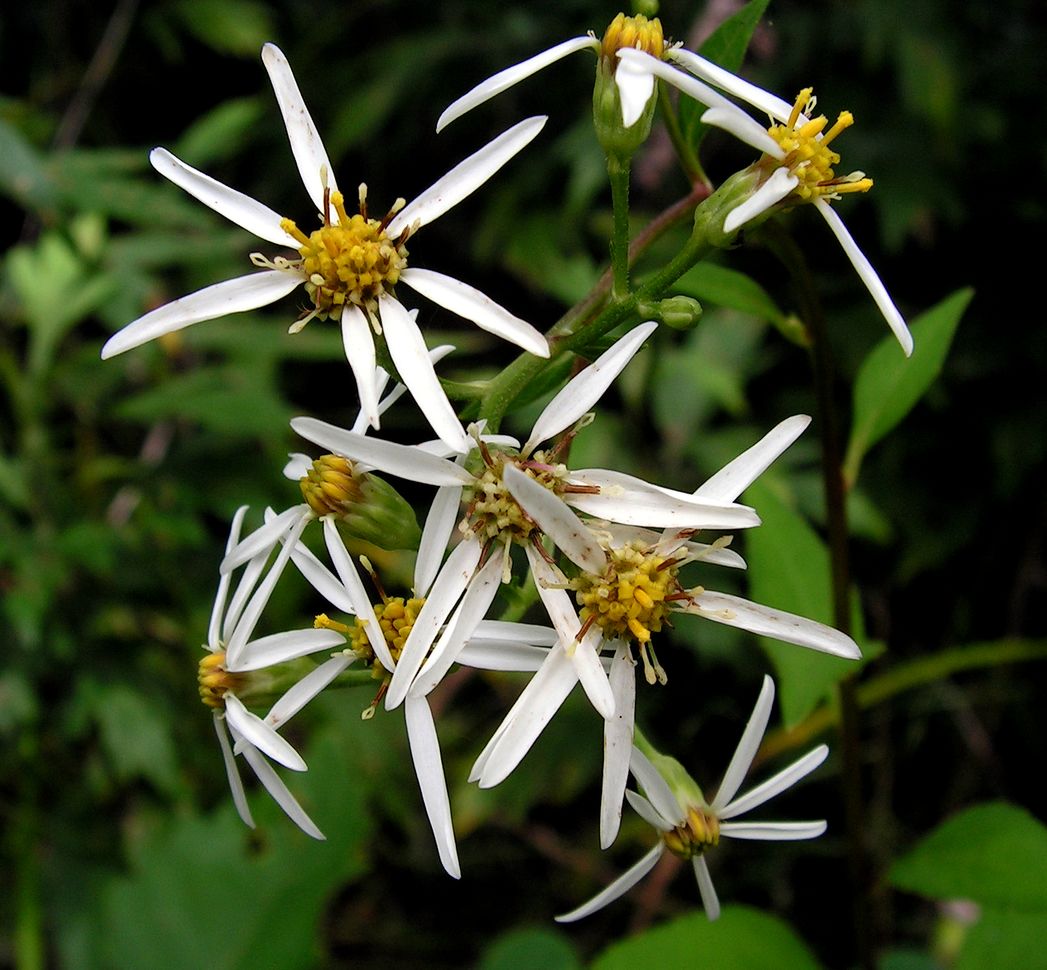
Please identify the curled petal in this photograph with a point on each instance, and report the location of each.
(255, 732)
(635, 89)
(768, 195)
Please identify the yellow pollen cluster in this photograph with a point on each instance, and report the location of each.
(396, 617)
(329, 487)
(491, 509)
(808, 156)
(698, 831)
(352, 261)
(636, 32)
(214, 680)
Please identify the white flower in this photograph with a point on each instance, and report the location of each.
(689, 825)
(235, 664)
(627, 587)
(634, 87)
(350, 265)
(797, 162)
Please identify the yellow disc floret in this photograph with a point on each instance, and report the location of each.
(330, 486)
(808, 156)
(396, 617)
(215, 681)
(698, 831)
(636, 32)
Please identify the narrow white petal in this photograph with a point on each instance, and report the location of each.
(428, 766)
(447, 589)
(769, 104)
(470, 303)
(411, 356)
(655, 787)
(776, 188)
(503, 80)
(298, 466)
(748, 744)
(281, 647)
(248, 580)
(466, 177)
(306, 146)
(570, 534)
(256, 732)
(619, 887)
(706, 889)
(591, 675)
(436, 534)
(404, 461)
(767, 622)
(617, 744)
(736, 122)
(280, 793)
(583, 391)
(647, 812)
(635, 88)
(235, 206)
(214, 627)
(322, 579)
(869, 276)
(532, 633)
(236, 786)
(502, 655)
(690, 86)
(382, 378)
(558, 602)
(294, 699)
(704, 552)
(773, 831)
(358, 345)
(737, 475)
(785, 778)
(230, 296)
(264, 538)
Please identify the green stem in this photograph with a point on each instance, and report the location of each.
(618, 173)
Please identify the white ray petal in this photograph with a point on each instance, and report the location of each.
(769, 104)
(619, 887)
(255, 732)
(322, 579)
(703, 552)
(583, 391)
(470, 303)
(502, 655)
(411, 356)
(655, 787)
(745, 751)
(591, 675)
(767, 622)
(448, 587)
(436, 534)
(570, 534)
(869, 276)
(736, 122)
(236, 786)
(298, 466)
(248, 580)
(768, 195)
(647, 812)
(264, 538)
(238, 208)
(435, 355)
(428, 766)
(690, 86)
(230, 296)
(706, 889)
(358, 345)
(306, 145)
(635, 89)
(294, 699)
(404, 461)
(503, 80)
(214, 626)
(617, 744)
(785, 778)
(773, 831)
(530, 633)
(466, 177)
(281, 647)
(280, 793)
(737, 475)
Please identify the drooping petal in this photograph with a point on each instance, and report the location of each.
(358, 345)
(736, 122)
(436, 534)
(583, 391)
(470, 303)
(773, 831)
(281, 647)
(503, 80)
(466, 177)
(404, 461)
(647, 812)
(619, 887)
(263, 538)
(706, 889)
(235, 206)
(280, 793)
(306, 145)
(411, 356)
(236, 786)
(737, 475)
(744, 753)
(776, 188)
(635, 89)
(785, 778)
(767, 622)
(214, 627)
(641, 60)
(869, 276)
(256, 732)
(306, 689)
(230, 296)
(769, 104)
(658, 792)
(428, 766)
(298, 465)
(617, 744)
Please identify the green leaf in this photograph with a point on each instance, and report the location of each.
(135, 736)
(725, 287)
(527, 949)
(888, 385)
(741, 939)
(22, 173)
(219, 134)
(994, 854)
(238, 27)
(1003, 940)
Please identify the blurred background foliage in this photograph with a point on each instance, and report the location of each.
(120, 847)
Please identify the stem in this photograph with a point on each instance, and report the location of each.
(618, 173)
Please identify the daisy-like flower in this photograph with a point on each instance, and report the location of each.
(797, 163)
(626, 589)
(635, 88)
(237, 669)
(689, 825)
(350, 266)
(494, 519)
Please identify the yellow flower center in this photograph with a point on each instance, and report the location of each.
(699, 831)
(215, 681)
(329, 487)
(636, 32)
(808, 155)
(396, 617)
